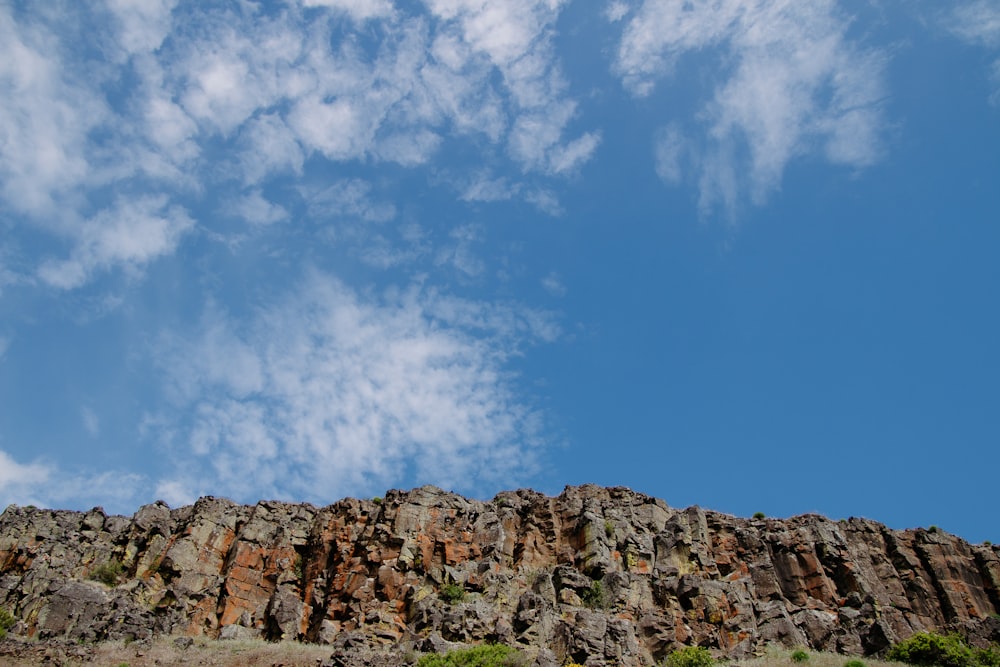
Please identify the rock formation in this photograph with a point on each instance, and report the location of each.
(595, 576)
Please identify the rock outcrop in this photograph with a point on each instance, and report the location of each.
(594, 576)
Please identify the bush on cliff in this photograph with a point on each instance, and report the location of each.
(109, 573)
(485, 655)
(452, 593)
(689, 656)
(7, 621)
(927, 648)
(594, 596)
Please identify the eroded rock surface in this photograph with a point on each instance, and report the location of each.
(594, 576)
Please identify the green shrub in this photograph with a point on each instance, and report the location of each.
(594, 596)
(927, 649)
(759, 515)
(854, 663)
(799, 655)
(7, 621)
(987, 657)
(484, 655)
(109, 573)
(689, 656)
(452, 593)
(609, 528)
(932, 529)
(377, 500)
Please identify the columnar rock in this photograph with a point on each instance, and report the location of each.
(594, 576)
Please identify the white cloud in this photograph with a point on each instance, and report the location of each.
(268, 146)
(553, 284)
(21, 483)
(515, 35)
(567, 158)
(45, 485)
(257, 210)
(176, 493)
(171, 130)
(44, 120)
(408, 246)
(331, 393)
(616, 11)
(91, 422)
(222, 81)
(199, 101)
(408, 148)
(979, 23)
(793, 85)
(144, 24)
(546, 201)
(350, 198)
(7, 275)
(485, 187)
(460, 253)
(359, 10)
(669, 147)
(426, 74)
(129, 235)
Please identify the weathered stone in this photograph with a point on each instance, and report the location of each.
(237, 632)
(597, 576)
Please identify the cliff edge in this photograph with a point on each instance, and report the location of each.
(594, 575)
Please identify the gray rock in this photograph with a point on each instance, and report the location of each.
(366, 577)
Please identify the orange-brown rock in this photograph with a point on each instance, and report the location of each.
(594, 575)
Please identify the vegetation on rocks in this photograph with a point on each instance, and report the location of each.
(926, 649)
(689, 656)
(108, 573)
(7, 621)
(486, 655)
(594, 597)
(452, 593)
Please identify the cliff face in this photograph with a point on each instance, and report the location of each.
(593, 575)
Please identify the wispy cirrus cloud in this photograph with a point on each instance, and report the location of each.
(979, 23)
(331, 392)
(359, 10)
(790, 84)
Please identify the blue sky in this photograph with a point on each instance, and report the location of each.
(741, 254)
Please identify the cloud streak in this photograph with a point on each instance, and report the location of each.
(979, 23)
(791, 85)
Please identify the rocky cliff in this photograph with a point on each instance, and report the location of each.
(594, 575)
